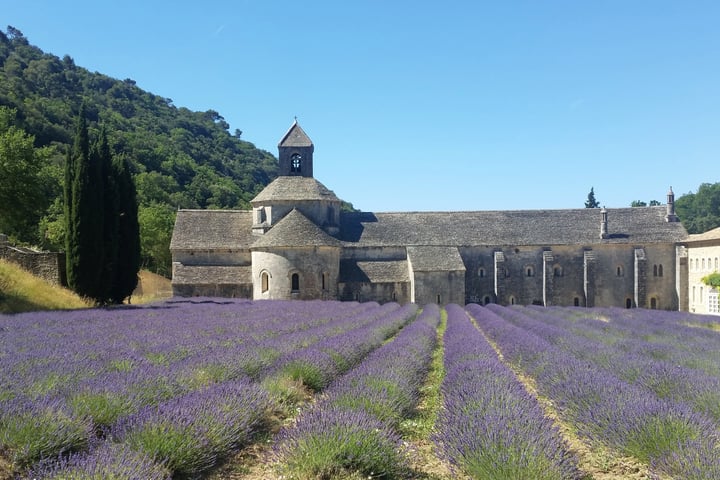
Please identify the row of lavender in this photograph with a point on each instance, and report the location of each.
(170, 380)
(353, 429)
(490, 426)
(601, 404)
(675, 361)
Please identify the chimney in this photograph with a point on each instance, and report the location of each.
(604, 223)
(670, 216)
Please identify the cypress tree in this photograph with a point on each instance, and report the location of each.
(110, 218)
(67, 220)
(85, 222)
(128, 240)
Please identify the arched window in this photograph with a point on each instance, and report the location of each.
(296, 163)
(576, 301)
(265, 281)
(512, 300)
(557, 271)
(653, 303)
(703, 264)
(620, 271)
(324, 280)
(660, 270)
(655, 271)
(486, 300)
(481, 272)
(295, 282)
(529, 271)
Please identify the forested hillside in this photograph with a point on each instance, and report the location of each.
(179, 158)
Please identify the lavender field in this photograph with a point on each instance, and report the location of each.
(180, 389)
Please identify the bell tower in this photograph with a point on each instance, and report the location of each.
(296, 153)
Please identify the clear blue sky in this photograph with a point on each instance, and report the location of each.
(431, 105)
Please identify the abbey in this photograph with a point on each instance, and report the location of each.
(296, 243)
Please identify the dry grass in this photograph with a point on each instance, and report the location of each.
(151, 287)
(20, 291)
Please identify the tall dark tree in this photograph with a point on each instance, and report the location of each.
(101, 154)
(591, 202)
(128, 240)
(84, 224)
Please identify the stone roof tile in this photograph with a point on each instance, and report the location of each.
(295, 137)
(511, 227)
(434, 258)
(294, 188)
(388, 271)
(212, 230)
(295, 230)
(211, 274)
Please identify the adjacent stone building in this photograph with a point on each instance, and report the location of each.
(701, 255)
(296, 243)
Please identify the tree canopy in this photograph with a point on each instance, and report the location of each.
(178, 158)
(700, 211)
(591, 202)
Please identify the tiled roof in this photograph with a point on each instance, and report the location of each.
(211, 274)
(295, 137)
(294, 188)
(433, 259)
(212, 229)
(710, 235)
(295, 230)
(519, 227)
(390, 271)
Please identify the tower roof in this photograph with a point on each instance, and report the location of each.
(294, 189)
(295, 137)
(295, 230)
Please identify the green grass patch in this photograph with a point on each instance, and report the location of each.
(420, 425)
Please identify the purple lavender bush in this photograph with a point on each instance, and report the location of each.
(31, 430)
(602, 406)
(335, 442)
(106, 461)
(352, 430)
(490, 427)
(189, 434)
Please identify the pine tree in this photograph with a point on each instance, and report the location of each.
(128, 244)
(591, 202)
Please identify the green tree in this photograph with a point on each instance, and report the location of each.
(110, 217)
(591, 202)
(20, 181)
(156, 225)
(712, 280)
(640, 203)
(700, 211)
(84, 216)
(128, 240)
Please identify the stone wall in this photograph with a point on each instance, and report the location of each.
(573, 275)
(316, 268)
(50, 266)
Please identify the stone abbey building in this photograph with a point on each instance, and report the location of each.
(296, 243)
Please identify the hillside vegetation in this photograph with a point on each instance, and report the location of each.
(179, 158)
(20, 291)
